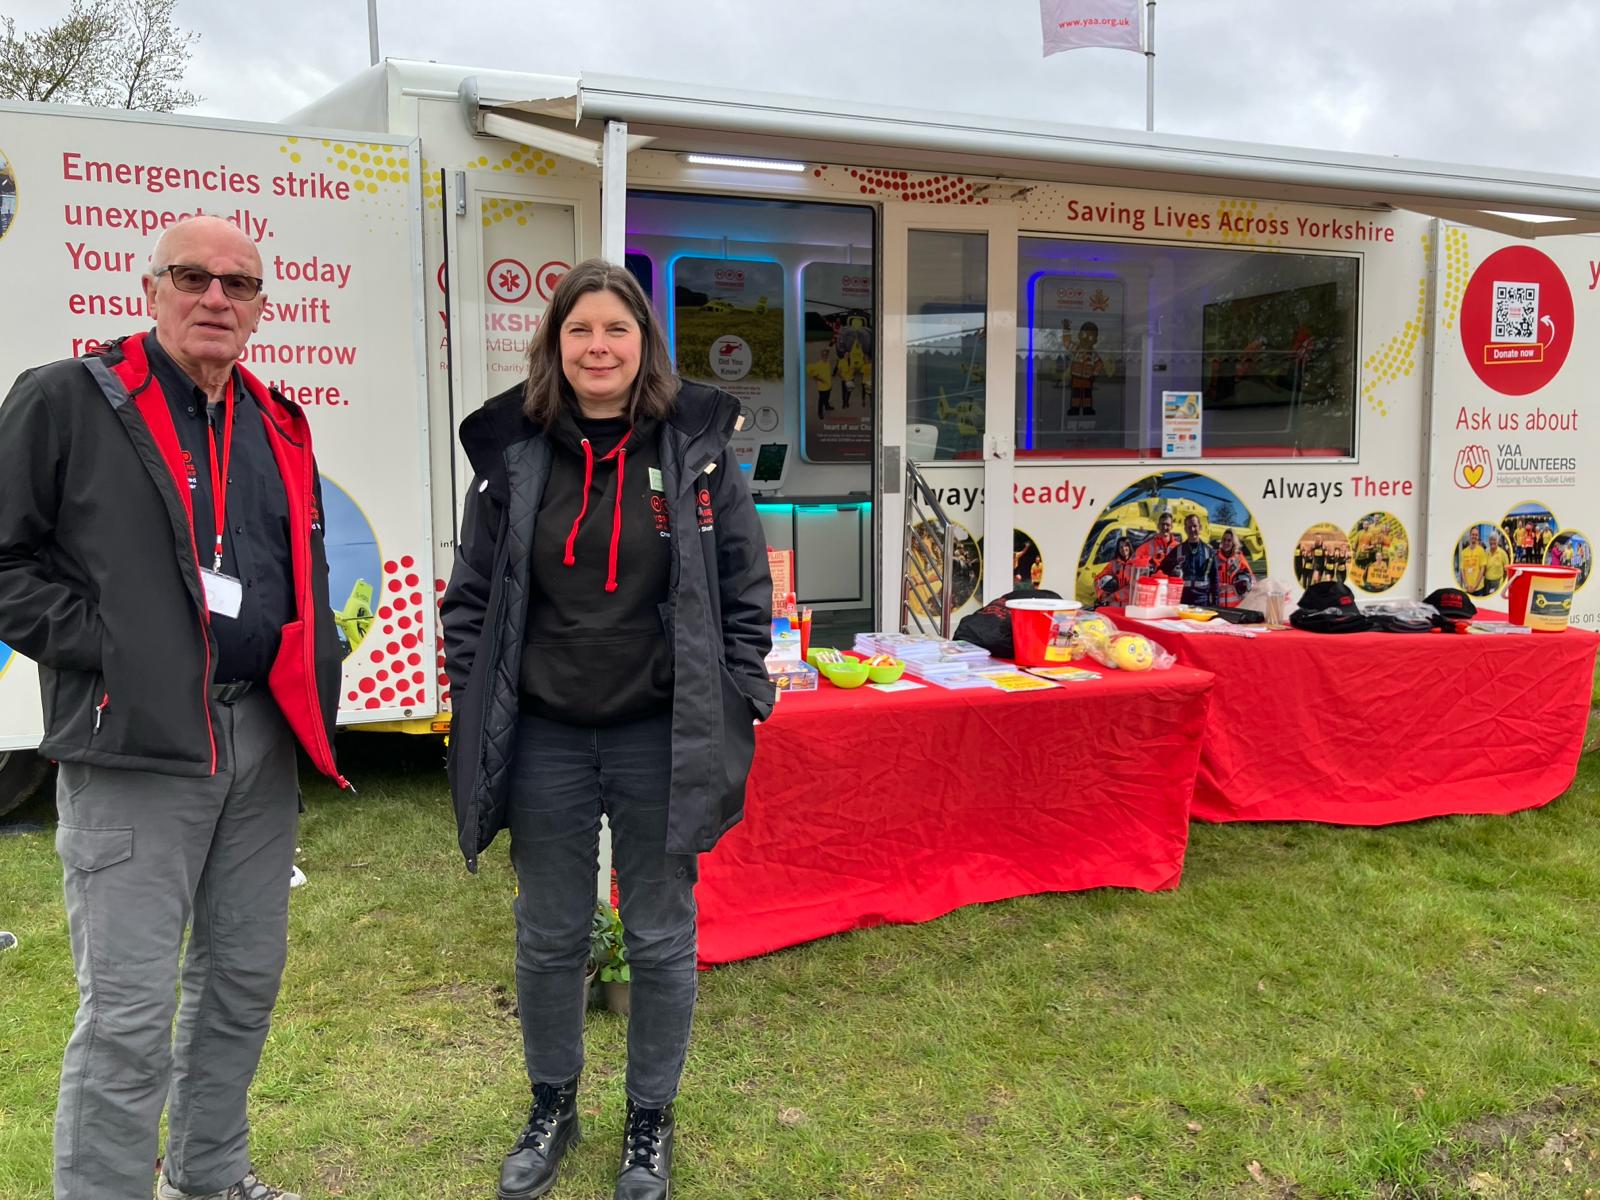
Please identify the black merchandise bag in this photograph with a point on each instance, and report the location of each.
(990, 626)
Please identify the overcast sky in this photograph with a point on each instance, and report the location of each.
(1472, 81)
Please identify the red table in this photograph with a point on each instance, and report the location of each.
(868, 807)
(1373, 728)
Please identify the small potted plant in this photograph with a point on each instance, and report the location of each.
(607, 951)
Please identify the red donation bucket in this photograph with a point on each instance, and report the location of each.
(1032, 619)
(1540, 596)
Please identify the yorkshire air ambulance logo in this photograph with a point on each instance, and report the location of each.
(702, 511)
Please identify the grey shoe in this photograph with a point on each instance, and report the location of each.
(248, 1188)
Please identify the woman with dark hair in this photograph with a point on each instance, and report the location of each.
(1114, 584)
(605, 628)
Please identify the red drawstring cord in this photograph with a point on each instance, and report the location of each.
(588, 477)
(619, 453)
(616, 521)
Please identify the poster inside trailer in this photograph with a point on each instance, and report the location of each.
(84, 199)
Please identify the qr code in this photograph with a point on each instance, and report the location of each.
(1516, 312)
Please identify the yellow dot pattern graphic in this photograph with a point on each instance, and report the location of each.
(520, 161)
(432, 186)
(1397, 358)
(368, 168)
(496, 209)
(1457, 258)
(1236, 222)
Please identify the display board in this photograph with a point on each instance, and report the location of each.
(1512, 478)
(727, 330)
(836, 409)
(1076, 325)
(337, 225)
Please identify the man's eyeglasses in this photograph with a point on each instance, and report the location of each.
(196, 280)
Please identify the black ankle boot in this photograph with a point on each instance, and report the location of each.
(646, 1172)
(552, 1128)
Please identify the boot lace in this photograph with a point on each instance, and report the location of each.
(548, 1103)
(642, 1141)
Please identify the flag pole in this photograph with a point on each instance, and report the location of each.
(372, 30)
(1150, 66)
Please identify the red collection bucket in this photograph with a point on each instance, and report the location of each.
(1540, 596)
(1032, 621)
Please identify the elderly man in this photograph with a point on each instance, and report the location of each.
(161, 559)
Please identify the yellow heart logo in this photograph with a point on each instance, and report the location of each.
(1472, 475)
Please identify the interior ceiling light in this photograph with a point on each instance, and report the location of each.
(734, 160)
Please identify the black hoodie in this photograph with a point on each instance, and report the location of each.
(595, 652)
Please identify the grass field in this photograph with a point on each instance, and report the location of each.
(1317, 1013)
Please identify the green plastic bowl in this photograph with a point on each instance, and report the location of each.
(846, 674)
(888, 674)
(811, 655)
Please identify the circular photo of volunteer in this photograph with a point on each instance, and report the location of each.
(927, 549)
(1027, 563)
(355, 565)
(1570, 549)
(1322, 555)
(1529, 528)
(8, 194)
(1480, 559)
(1183, 522)
(1380, 550)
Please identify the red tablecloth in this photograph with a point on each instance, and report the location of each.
(1372, 728)
(867, 807)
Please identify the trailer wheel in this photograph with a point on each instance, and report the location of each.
(21, 773)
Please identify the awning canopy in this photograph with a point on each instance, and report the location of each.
(682, 118)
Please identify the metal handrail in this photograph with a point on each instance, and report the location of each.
(922, 511)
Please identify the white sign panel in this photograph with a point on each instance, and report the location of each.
(336, 221)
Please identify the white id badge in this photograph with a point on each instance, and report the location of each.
(224, 593)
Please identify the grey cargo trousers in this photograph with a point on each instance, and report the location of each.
(143, 855)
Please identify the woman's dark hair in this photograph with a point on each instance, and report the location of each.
(547, 392)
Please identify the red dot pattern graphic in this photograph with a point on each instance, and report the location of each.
(389, 657)
(924, 189)
(438, 624)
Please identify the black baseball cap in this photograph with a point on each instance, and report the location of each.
(1328, 607)
(1453, 605)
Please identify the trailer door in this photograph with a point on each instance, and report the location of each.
(950, 336)
(508, 241)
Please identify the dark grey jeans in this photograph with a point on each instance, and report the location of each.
(144, 857)
(564, 778)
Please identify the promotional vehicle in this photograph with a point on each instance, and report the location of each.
(1068, 330)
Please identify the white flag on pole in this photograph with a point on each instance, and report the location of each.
(1075, 24)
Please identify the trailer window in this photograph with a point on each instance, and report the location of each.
(947, 318)
(1260, 346)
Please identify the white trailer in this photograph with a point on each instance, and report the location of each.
(1350, 361)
